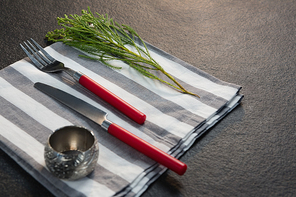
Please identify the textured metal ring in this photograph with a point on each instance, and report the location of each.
(71, 152)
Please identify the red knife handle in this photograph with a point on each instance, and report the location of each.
(112, 99)
(147, 149)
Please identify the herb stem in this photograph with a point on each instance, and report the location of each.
(105, 40)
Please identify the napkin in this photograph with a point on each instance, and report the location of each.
(174, 120)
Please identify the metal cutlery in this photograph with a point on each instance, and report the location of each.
(100, 117)
(46, 63)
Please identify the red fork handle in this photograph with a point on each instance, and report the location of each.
(112, 99)
(147, 149)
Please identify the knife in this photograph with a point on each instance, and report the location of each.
(100, 117)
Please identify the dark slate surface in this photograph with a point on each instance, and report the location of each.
(252, 43)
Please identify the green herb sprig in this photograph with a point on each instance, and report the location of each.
(104, 40)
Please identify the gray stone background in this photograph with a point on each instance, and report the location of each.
(251, 43)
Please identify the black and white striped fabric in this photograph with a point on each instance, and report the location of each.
(174, 120)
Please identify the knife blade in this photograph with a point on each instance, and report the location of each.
(100, 117)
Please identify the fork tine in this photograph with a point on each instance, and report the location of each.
(36, 63)
(36, 53)
(43, 51)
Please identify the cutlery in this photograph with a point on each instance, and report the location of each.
(47, 63)
(100, 117)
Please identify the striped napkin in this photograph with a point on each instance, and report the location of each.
(174, 120)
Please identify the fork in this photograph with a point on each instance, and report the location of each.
(46, 63)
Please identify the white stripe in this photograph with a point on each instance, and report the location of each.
(166, 122)
(40, 113)
(119, 166)
(90, 188)
(30, 106)
(35, 149)
(22, 140)
(194, 79)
